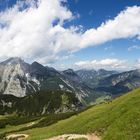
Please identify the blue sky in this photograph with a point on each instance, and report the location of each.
(94, 12)
(122, 51)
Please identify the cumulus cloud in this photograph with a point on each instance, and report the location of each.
(137, 64)
(105, 63)
(30, 33)
(37, 32)
(125, 25)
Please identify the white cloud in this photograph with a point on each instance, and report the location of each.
(135, 47)
(137, 64)
(105, 63)
(125, 25)
(30, 33)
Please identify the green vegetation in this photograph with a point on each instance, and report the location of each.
(40, 103)
(102, 99)
(115, 120)
(15, 120)
(13, 123)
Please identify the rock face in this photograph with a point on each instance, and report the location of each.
(13, 77)
(19, 78)
(77, 84)
(32, 89)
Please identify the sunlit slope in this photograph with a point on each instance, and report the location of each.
(116, 120)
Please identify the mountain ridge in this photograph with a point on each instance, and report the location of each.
(21, 79)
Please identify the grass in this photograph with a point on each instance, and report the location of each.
(116, 120)
(9, 128)
(102, 99)
(1, 116)
(13, 123)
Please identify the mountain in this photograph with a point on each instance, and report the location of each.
(115, 120)
(19, 78)
(29, 82)
(109, 84)
(92, 77)
(13, 78)
(79, 87)
(120, 83)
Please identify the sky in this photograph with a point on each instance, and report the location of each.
(78, 34)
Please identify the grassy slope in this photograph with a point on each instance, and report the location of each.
(118, 120)
(13, 123)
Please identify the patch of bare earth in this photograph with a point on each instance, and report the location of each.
(75, 136)
(17, 137)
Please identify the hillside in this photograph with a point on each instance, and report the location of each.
(116, 120)
(39, 103)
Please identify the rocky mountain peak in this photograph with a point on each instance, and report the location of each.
(35, 64)
(69, 72)
(13, 61)
(135, 72)
(138, 71)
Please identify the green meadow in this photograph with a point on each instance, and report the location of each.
(115, 120)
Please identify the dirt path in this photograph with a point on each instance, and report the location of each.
(93, 137)
(17, 136)
(61, 137)
(75, 136)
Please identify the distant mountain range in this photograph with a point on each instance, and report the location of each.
(78, 88)
(92, 77)
(117, 84)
